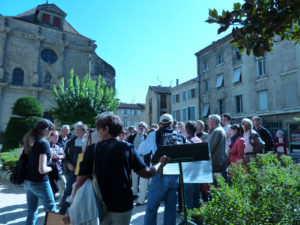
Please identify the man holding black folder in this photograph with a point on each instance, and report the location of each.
(162, 187)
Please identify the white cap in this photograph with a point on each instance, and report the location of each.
(166, 118)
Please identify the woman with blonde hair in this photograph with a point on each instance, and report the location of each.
(37, 186)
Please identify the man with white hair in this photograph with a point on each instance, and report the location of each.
(64, 136)
(254, 144)
(216, 142)
(200, 131)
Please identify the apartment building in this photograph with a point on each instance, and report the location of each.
(185, 100)
(158, 102)
(131, 114)
(245, 86)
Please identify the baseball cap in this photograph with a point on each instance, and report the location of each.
(166, 118)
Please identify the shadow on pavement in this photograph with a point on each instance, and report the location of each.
(8, 188)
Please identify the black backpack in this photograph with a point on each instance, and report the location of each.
(172, 139)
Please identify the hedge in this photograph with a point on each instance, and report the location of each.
(9, 159)
(27, 106)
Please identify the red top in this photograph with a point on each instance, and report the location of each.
(237, 152)
(282, 144)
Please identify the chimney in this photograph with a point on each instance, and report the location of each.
(177, 82)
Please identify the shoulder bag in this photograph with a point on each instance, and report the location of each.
(17, 176)
(101, 204)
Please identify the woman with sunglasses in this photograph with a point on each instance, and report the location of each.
(36, 183)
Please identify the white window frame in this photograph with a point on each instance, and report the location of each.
(220, 60)
(260, 65)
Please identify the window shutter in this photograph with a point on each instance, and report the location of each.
(237, 76)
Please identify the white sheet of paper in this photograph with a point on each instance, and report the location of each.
(193, 172)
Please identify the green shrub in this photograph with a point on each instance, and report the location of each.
(16, 128)
(27, 106)
(9, 159)
(29, 111)
(268, 194)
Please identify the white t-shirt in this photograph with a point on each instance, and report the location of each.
(227, 130)
(249, 147)
(280, 148)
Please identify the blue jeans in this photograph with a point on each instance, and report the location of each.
(36, 191)
(192, 195)
(162, 189)
(68, 191)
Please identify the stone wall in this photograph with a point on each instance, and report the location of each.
(21, 44)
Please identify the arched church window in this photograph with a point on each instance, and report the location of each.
(49, 56)
(18, 77)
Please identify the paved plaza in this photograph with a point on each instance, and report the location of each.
(13, 208)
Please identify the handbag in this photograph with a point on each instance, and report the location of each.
(88, 198)
(17, 176)
(80, 155)
(53, 218)
(103, 211)
(84, 209)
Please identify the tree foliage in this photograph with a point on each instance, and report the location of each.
(269, 193)
(256, 23)
(82, 100)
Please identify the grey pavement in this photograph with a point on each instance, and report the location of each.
(13, 207)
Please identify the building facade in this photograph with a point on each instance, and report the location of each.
(37, 48)
(158, 102)
(246, 86)
(131, 114)
(185, 101)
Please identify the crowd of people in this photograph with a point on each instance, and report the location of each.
(120, 159)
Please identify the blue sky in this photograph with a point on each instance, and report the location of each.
(148, 42)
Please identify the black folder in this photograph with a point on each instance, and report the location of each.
(183, 153)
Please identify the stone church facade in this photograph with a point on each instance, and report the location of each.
(37, 48)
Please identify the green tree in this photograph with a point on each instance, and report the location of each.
(82, 100)
(257, 23)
